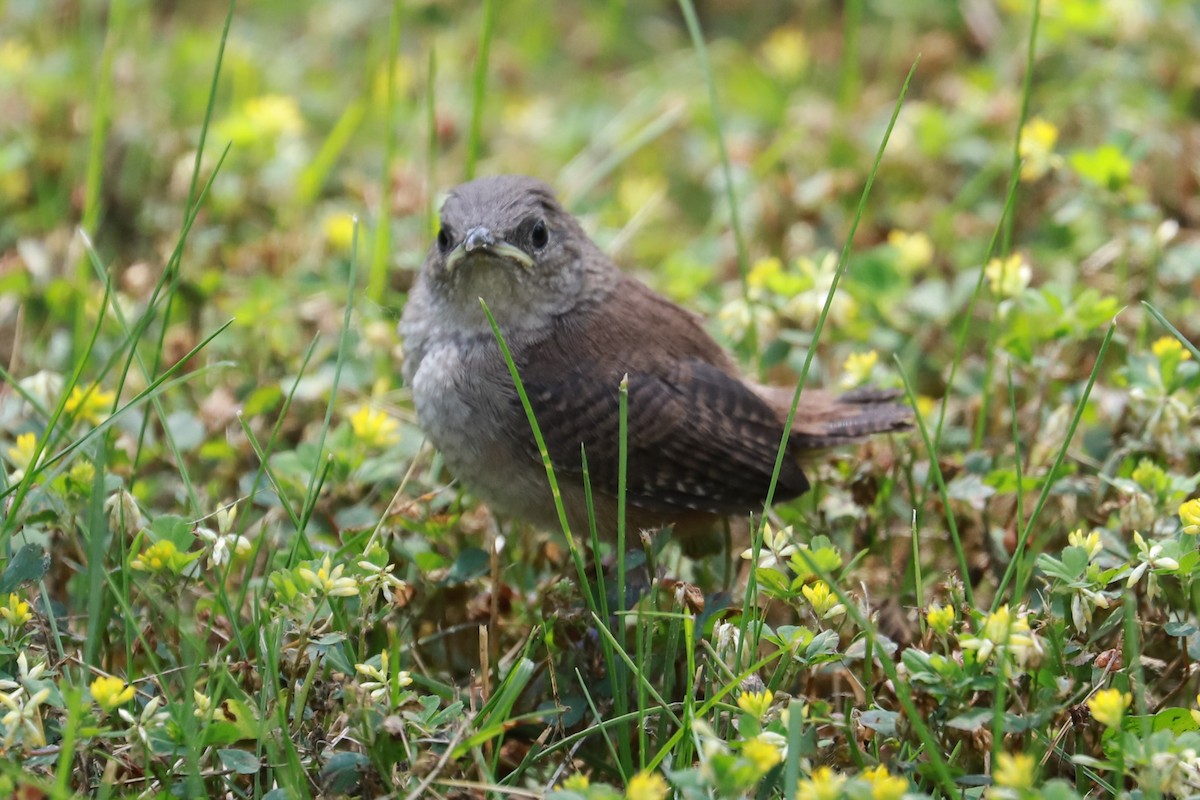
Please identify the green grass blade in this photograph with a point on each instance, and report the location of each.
(843, 260)
(1048, 484)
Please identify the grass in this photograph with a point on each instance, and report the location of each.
(215, 492)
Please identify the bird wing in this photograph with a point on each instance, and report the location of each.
(700, 438)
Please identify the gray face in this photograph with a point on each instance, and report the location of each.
(507, 240)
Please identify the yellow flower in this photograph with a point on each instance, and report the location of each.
(261, 120)
(339, 230)
(776, 546)
(1037, 148)
(756, 704)
(823, 784)
(823, 600)
(646, 786)
(110, 691)
(857, 368)
(940, 618)
(804, 307)
(374, 428)
(83, 473)
(21, 454)
(1195, 712)
(762, 754)
(329, 579)
(90, 404)
(1014, 771)
(884, 785)
(158, 557)
(1090, 542)
(14, 57)
(786, 52)
(1006, 633)
(1008, 277)
(16, 611)
(576, 783)
(202, 707)
(1189, 515)
(1168, 347)
(913, 250)
(274, 115)
(926, 405)
(638, 190)
(1108, 707)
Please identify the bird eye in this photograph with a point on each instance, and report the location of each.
(443, 240)
(539, 236)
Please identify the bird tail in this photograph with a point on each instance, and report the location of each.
(828, 420)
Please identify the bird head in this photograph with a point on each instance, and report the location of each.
(507, 240)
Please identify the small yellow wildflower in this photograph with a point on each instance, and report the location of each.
(762, 753)
(158, 557)
(23, 719)
(374, 428)
(926, 406)
(1108, 707)
(1089, 542)
(776, 546)
(940, 618)
(1189, 515)
(109, 691)
(15, 611)
(339, 230)
(1168, 347)
(857, 368)
(15, 56)
(1008, 277)
(823, 784)
(377, 686)
(202, 706)
(638, 190)
(274, 115)
(646, 786)
(576, 783)
(329, 579)
(786, 52)
(21, 454)
(823, 600)
(756, 704)
(884, 785)
(1038, 138)
(913, 250)
(763, 272)
(1002, 630)
(83, 473)
(90, 404)
(804, 307)
(1196, 712)
(1014, 771)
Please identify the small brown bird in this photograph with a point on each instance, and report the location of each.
(702, 439)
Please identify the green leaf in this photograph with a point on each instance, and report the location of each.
(29, 564)
(343, 773)
(173, 529)
(471, 563)
(971, 721)
(240, 761)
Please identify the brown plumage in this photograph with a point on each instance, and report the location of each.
(702, 439)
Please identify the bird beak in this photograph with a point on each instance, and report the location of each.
(481, 240)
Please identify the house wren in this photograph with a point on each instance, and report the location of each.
(702, 440)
